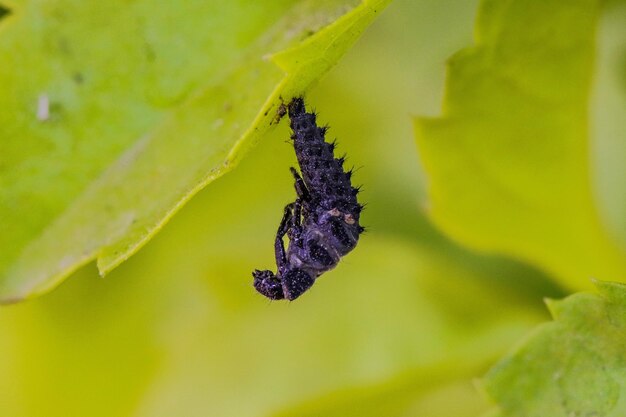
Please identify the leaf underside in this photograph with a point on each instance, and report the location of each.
(115, 115)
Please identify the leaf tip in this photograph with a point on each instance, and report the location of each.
(554, 307)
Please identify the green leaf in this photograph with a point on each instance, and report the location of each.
(116, 114)
(575, 366)
(508, 161)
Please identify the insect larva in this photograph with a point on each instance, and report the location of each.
(323, 223)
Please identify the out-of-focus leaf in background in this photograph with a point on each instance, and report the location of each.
(115, 114)
(509, 161)
(430, 392)
(608, 106)
(574, 366)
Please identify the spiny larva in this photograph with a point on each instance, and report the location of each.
(322, 224)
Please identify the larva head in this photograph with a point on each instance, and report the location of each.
(266, 283)
(290, 286)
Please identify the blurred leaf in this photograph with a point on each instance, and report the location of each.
(439, 391)
(608, 126)
(575, 366)
(509, 161)
(115, 114)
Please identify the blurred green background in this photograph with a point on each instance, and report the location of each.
(400, 328)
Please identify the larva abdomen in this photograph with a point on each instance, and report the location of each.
(323, 174)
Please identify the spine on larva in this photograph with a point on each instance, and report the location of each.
(323, 174)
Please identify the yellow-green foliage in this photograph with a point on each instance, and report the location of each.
(519, 196)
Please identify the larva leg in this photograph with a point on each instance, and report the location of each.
(301, 190)
(279, 245)
(297, 215)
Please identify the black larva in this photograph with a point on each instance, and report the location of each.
(322, 224)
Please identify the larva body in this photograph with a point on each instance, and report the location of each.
(322, 224)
